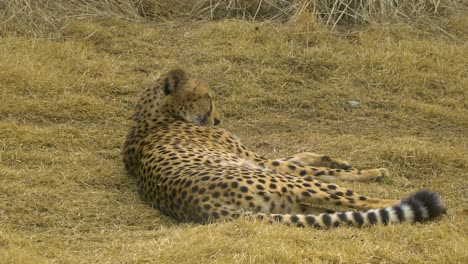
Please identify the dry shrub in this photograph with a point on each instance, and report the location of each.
(334, 12)
(249, 9)
(43, 16)
(331, 12)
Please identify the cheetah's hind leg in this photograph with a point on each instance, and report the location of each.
(317, 160)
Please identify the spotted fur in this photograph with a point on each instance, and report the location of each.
(192, 170)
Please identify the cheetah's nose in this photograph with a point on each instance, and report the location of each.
(217, 121)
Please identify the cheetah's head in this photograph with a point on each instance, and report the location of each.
(188, 99)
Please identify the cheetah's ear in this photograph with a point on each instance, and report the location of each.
(173, 81)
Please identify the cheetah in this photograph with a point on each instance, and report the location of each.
(191, 170)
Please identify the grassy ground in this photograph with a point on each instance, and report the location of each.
(65, 102)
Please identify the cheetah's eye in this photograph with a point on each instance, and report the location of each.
(203, 119)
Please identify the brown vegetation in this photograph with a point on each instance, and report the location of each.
(70, 72)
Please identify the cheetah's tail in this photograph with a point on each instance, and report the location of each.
(416, 208)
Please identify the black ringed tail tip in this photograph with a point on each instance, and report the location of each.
(428, 200)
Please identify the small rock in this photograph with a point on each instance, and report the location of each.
(354, 104)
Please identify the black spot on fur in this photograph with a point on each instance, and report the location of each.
(384, 216)
(224, 213)
(294, 218)
(399, 213)
(358, 218)
(205, 178)
(343, 217)
(372, 217)
(326, 219)
(223, 185)
(310, 219)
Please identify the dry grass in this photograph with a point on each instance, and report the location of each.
(42, 17)
(283, 88)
